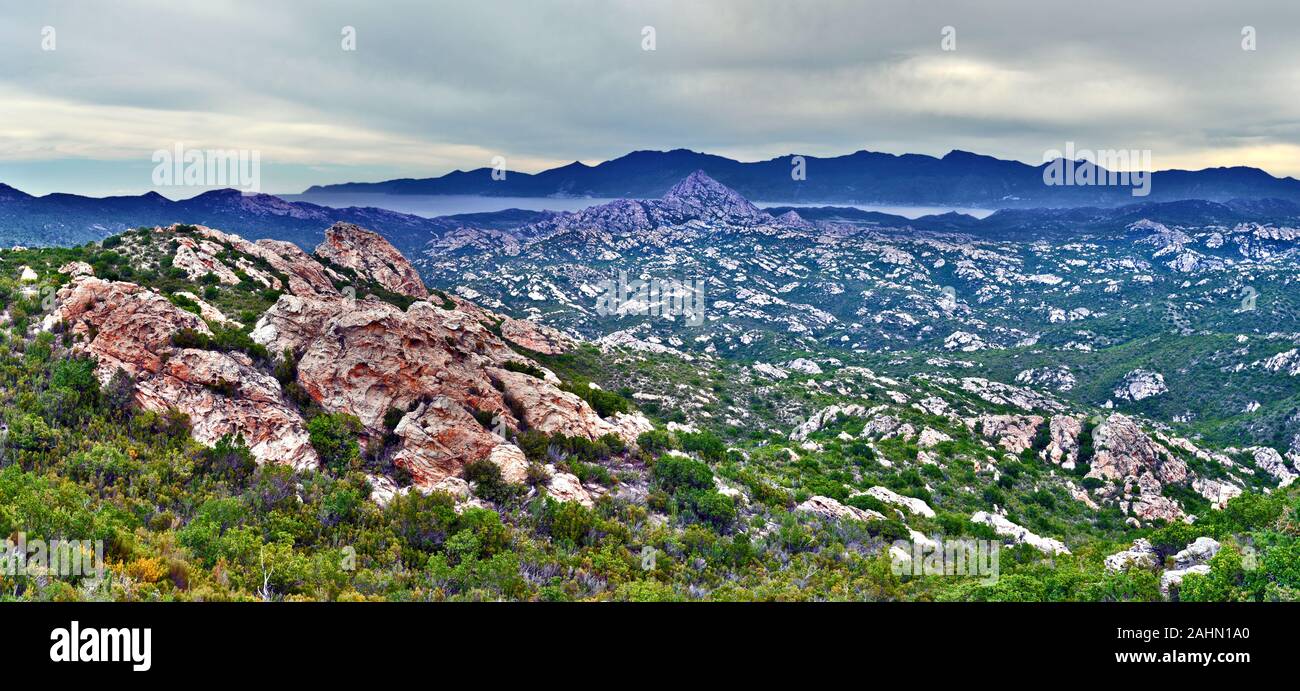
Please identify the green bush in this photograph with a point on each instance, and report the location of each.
(102, 464)
(605, 403)
(488, 483)
(710, 507)
(334, 436)
(524, 368)
(707, 444)
(421, 522)
(656, 441)
(77, 374)
(569, 521)
(679, 472)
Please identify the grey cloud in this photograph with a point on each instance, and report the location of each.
(542, 82)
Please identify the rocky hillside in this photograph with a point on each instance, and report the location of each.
(356, 330)
(245, 420)
(1190, 323)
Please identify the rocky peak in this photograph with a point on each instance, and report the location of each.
(706, 197)
(372, 258)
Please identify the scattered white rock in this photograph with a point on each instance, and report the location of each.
(770, 371)
(931, 438)
(1019, 534)
(803, 365)
(912, 504)
(1201, 551)
(567, 487)
(826, 507)
(1141, 555)
(1141, 384)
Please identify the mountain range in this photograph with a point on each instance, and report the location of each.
(69, 219)
(959, 178)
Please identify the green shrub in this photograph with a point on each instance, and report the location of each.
(569, 521)
(656, 441)
(679, 472)
(77, 374)
(524, 368)
(334, 436)
(488, 483)
(605, 403)
(707, 444)
(710, 507)
(102, 463)
(421, 522)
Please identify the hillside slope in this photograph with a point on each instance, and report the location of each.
(242, 420)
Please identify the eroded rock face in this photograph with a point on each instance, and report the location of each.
(372, 257)
(1123, 451)
(198, 259)
(1136, 469)
(521, 332)
(543, 407)
(1270, 461)
(438, 360)
(369, 356)
(512, 462)
(122, 325)
(364, 357)
(535, 337)
(438, 438)
(305, 276)
(1218, 492)
(137, 324)
(294, 321)
(1015, 433)
(1063, 449)
(567, 487)
(1149, 506)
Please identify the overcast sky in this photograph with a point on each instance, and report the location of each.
(433, 86)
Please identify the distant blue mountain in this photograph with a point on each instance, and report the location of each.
(69, 219)
(959, 178)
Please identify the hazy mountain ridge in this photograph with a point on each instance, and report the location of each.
(959, 178)
(68, 219)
